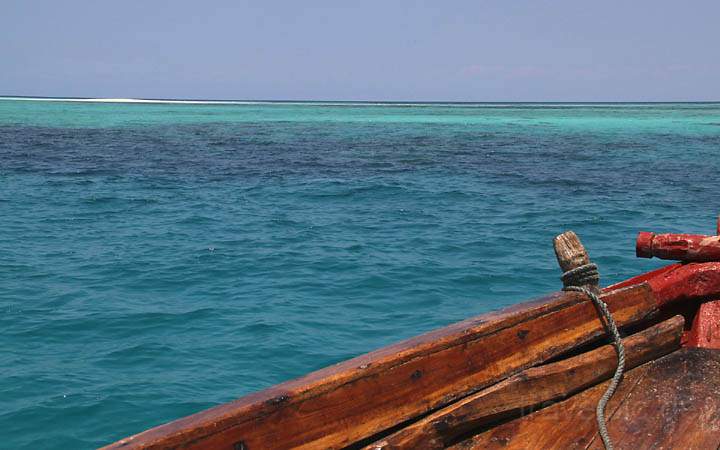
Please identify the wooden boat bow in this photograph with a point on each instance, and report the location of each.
(494, 378)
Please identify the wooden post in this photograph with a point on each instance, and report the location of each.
(679, 247)
(571, 254)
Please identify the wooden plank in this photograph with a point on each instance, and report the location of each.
(672, 402)
(569, 424)
(676, 406)
(342, 404)
(532, 387)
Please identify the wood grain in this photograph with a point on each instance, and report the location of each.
(532, 387)
(676, 407)
(571, 254)
(569, 424)
(342, 404)
(569, 251)
(670, 403)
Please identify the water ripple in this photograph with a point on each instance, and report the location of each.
(161, 259)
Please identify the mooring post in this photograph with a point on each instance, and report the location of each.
(581, 275)
(571, 254)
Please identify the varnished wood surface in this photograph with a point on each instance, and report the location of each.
(677, 405)
(532, 387)
(569, 424)
(669, 403)
(353, 400)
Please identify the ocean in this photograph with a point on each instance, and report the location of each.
(158, 259)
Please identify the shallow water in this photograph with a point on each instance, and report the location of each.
(161, 259)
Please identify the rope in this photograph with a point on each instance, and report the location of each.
(573, 280)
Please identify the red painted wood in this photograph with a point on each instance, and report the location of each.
(679, 247)
(679, 282)
(642, 277)
(705, 331)
(692, 281)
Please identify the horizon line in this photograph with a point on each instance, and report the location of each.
(196, 101)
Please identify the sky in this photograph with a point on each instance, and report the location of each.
(362, 50)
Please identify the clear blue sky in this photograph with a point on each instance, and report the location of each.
(362, 50)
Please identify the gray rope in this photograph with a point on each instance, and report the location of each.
(572, 281)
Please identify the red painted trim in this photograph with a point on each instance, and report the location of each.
(679, 247)
(679, 282)
(693, 281)
(642, 277)
(705, 330)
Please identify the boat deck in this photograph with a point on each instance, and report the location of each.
(670, 403)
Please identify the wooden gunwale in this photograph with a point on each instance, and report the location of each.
(483, 367)
(439, 367)
(532, 387)
(670, 402)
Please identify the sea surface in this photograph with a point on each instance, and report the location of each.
(158, 259)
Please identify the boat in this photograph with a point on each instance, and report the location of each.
(528, 376)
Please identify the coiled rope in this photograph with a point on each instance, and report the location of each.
(573, 280)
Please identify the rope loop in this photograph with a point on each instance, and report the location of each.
(582, 275)
(574, 280)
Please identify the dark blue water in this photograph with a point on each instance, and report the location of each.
(160, 259)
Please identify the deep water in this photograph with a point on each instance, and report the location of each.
(156, 260)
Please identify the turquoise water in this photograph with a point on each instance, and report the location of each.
(161, 259)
